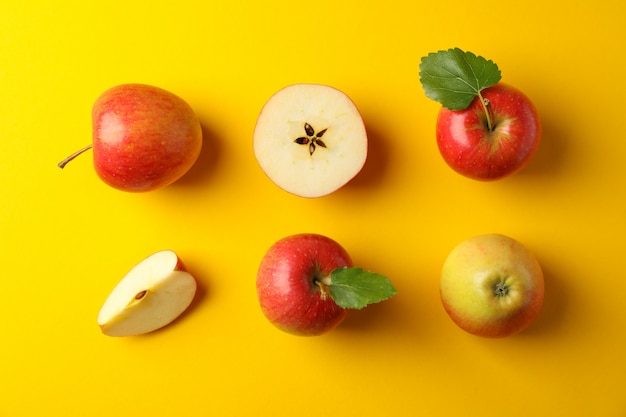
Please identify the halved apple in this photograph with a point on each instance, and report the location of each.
(153, 293)
(310, 139)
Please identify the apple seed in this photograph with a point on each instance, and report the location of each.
(141, 294)
(312, 139)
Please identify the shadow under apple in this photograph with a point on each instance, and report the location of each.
(551, 154)
(554, 307)
(377, 161)
(201, 171)
(199, 298)
(388, 316)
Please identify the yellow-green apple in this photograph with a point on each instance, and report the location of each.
(150, 296)
(310, 139)
(144, 137)
(306, 283)
(492, 138)
(492, 286)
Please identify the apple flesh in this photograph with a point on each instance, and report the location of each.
(492, 286)
(310, 139)
(153, 294)
(144, 137)
(492, 138)
(290, 284)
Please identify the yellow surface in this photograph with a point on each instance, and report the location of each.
(67, 238)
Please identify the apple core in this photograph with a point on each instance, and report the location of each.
(310, 139)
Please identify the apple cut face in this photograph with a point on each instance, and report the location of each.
(154, 293)
(310, 139)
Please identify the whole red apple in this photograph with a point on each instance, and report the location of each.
(144, 137)
(492, 138)
(290, 284)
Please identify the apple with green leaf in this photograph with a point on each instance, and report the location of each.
(486, 129)
(144, 137)
(306, 284)
(150, 296)
(310, 139)
(492, 286)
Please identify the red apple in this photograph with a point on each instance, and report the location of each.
(306, 284)
(290, 284)
(144, 137)
(492, 286)
(492, 138)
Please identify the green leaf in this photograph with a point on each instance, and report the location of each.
(454, 77)
(355, 288)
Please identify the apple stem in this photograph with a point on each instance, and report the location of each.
(323, 283)
(486, 107)
(74, 155)
(325, 280)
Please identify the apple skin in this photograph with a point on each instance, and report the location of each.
(144, 137)
(469, 278)
(471, 149)
(286, 284)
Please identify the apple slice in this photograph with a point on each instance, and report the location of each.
(154, 293)
(310, 139)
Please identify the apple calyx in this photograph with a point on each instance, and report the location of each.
(501, 289)
(74, 155)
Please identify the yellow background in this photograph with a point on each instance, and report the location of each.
(67, 238)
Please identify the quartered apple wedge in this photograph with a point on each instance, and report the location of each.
(310, 139)
(154, 293)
